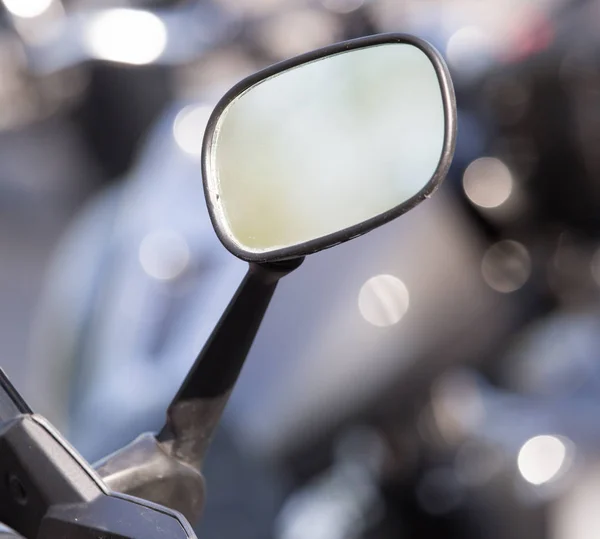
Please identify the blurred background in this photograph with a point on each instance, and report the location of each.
(440, 375)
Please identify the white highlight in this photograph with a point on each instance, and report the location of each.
(488, 182)
(27, 9)
(541, 459)
(383, 300)
(127, 36)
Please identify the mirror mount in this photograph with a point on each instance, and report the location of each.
(166, 469)
(196, 409)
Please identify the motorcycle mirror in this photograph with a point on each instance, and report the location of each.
(327, 146)
(306, 154)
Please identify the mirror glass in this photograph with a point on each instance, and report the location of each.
(325, 146)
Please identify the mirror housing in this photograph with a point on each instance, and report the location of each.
(339, 234)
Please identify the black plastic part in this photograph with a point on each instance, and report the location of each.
(111, 517)
(324, 242)
(48, 491)
(146, 469)
(37, 472)
(197, 407)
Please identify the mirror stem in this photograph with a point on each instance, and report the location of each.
(166, 469)
(196, 409)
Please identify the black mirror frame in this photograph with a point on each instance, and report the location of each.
(324, 242)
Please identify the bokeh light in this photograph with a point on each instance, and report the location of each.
(487, 182)
(467, 48)
(189, 126)
(27, 9)
(383, 300)
(542, 459)
(164, 254)
(127, 36)
(506, 266)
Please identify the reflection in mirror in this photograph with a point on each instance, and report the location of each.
(326, 146)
